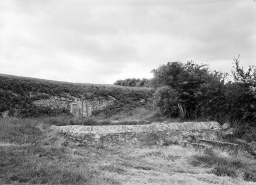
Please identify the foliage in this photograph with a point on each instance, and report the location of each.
(67, 120)
(227, 166)
(200, 93)
(133, 82)
(18, 93)
(186, 80)
(167, 99)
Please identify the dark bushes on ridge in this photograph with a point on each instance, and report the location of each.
(194, 92)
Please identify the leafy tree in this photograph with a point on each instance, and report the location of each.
(167, 99)
(186, 79)
(133, 82)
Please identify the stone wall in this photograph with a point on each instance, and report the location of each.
(154, 133)
(80, 107)
(55, 102)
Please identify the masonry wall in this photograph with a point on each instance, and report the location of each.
(155, 133)
(79, 107)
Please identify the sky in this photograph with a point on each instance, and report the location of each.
(101, 41)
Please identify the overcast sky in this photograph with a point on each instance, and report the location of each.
(101, 41)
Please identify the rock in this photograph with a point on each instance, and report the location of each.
(228, 133)
(225, 126)
(134, 134)
(5, 114)
(231, 131)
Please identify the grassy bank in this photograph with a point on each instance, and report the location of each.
(32, 153)
(28, 156)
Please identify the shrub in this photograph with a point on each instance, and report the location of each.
(167, 99)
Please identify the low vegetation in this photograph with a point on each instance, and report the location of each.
(134, 82)
(18, 93)
(194, 92)
(68, 120)
(32, 153)
(236, 167)
(25, 158)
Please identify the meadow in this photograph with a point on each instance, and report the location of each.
(32, 153)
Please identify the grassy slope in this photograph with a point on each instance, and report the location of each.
(31, 153)
(15, 94)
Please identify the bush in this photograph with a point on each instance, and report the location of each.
(200, 94)
(167, 99)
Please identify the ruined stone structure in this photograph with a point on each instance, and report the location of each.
(199, 135)
(160, 133)
(79, 107)
(55, 102)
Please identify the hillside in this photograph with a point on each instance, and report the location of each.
(31, 97)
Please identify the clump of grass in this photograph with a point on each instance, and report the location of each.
(150, 139)
(136, 114)
(154, 154)
(112, 168)
(131, 123)
(68, 120)
(226, 166)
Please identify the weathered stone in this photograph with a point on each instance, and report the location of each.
(79, 107)
(5, 114)
(225, 126)
(134, 134)
(229, 133)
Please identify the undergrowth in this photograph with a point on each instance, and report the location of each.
(19, 131)
(227, 166)
(66, 120)
(24, 159)
(19, 165)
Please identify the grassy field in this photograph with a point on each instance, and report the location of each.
(32, 153)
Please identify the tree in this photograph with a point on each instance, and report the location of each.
(186, 79)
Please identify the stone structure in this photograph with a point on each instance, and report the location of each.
(199, 135)
(160, 133)
(5, 114)
(54, 102)
(79, 107)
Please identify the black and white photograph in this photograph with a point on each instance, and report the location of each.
(128, 92)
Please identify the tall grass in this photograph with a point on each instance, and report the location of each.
(66, 120)
(19, 165)
(34, 163)
(19, 131)
(227, 165)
